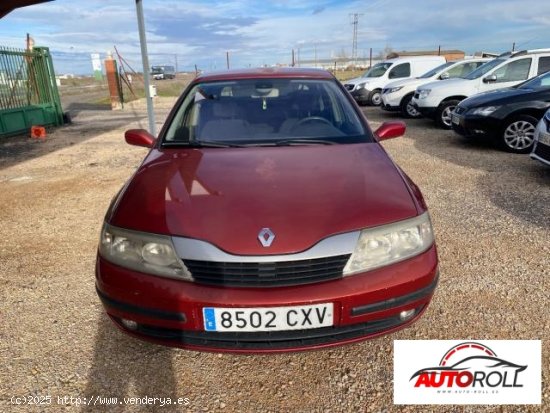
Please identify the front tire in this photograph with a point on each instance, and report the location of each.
(444, 113)
(375, 97)
(518, 134)
(407, 109)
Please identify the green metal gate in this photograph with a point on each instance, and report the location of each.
(28, 92)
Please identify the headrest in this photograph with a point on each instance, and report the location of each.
(224, 109)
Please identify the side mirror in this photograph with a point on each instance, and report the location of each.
(444, 76)
(139, 137)
(389, 130)
(490, 79)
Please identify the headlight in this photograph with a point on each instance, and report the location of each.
(387, 244)
(394, 89)
(424, 93)
(485, 111)
(143, 252)
(361, 85)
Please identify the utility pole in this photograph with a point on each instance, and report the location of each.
(370, 58)
(227, 58)
(293, 60)
(355, 23)
(145, 62)
(176, 61)
(513, 47)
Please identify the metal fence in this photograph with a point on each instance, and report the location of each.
(28, 92)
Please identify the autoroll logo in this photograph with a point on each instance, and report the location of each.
(467, 372)
(470, 365)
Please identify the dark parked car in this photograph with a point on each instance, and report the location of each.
(541, 148)
(266, 217)
(509, 116)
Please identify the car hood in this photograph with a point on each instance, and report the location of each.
(366, 80)
(450, 84)
(497, 97)
(356, 80)
(412, 82)
(227, 195)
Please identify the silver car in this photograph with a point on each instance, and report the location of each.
(541, 148)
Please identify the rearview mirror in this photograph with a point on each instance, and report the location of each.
(490, 79)
(444, 76)
(389, 130)
(139, 137)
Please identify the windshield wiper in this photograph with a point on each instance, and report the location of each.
(303, 141)
(203, 144)
(213, 144)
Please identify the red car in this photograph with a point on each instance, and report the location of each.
(266, 217)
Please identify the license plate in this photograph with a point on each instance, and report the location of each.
(455, 119)
(268, 318)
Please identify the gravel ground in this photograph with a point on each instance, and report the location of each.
(490, 212)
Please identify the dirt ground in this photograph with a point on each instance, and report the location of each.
(492, 221)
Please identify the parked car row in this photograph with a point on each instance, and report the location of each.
(367, 89)
(438, 100)
(502, 99)
(509, 116)
(397, 96)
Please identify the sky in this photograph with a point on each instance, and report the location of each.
(257, 33)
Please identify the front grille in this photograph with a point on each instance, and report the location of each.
(460, 110)
(271, 340)
(267, 274)
(349, 87)
(543, 151)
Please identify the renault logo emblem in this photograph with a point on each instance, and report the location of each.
(266, 237)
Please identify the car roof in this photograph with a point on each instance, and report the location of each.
(524, 52)
(269, 72)
(413, 58)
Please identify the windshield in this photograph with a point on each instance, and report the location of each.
(537, 82)
(253, 112)
(157, 69)
(483, 69)
(435, 71)
(377, 70)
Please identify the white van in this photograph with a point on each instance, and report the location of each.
(368, 88)
(397, 96)
(437, 100)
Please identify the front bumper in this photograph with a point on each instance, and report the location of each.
(361, 95)
(390, 108)
(428, 106)
(169, 311)
(391, 101)
(426, 111)
(475, 126)
(541, 150)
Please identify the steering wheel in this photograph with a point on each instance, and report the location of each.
(310, 119)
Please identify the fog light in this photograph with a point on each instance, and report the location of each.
(129, 324)
(407, 314)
